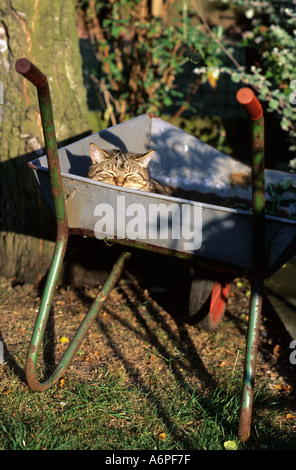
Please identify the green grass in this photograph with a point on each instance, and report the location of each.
(111, 415)
(147, 390)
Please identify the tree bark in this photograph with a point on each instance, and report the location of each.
(45, 33)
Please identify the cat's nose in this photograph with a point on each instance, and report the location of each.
(119, 182)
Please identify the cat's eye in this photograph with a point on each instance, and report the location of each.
(106, 175)
(133, 178)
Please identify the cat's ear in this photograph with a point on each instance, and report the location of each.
(97, 154)
(144, 160)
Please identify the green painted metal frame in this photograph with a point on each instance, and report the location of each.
(30, 72)
(247, 98)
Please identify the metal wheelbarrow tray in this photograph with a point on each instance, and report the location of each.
(222, 235)
(225, 240)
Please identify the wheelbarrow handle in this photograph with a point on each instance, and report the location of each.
(34, 75)
(30, 72)
(247, 98)
(24, 67)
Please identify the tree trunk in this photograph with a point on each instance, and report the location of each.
(45, 33)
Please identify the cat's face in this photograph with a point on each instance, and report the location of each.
(119, 167)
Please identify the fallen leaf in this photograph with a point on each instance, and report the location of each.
(63, 339)
(230, 445)
(62, 383)
(289, 416)
(276, 350)
(278, 386)
(161, 436)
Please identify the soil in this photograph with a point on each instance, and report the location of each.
(145, 334)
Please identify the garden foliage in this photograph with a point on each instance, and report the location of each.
(142, 49)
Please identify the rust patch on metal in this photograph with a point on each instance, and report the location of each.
(244, 425)
(32, 380)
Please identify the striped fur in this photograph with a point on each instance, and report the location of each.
(123, 168)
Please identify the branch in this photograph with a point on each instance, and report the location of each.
(208, 29)
(188, 101)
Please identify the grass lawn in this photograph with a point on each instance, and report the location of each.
(143, 378)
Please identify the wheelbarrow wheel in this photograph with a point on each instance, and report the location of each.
(207, 302)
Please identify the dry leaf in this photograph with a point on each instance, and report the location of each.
(212, 77)
(63, 339)
(276, 350)
(62, 383)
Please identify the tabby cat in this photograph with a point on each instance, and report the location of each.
(123, 168)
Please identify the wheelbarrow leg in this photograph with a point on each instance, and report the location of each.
(246, 97)
(40, 325)
(250, 361)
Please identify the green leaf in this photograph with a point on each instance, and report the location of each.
(235, 77)
(167, 101)
(273, 104)
(115, 30)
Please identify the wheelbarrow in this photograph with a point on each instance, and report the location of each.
(222, 242)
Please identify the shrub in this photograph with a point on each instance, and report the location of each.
(141, 52)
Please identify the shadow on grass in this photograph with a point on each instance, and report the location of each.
(215, 412)
(220, 409)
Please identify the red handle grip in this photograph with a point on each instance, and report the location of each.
(31, 72)
(247, 98)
